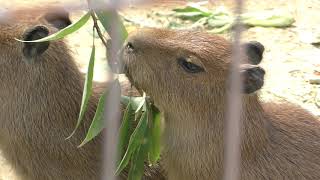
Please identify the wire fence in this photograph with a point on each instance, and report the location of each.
(233, 124)
(112, 106)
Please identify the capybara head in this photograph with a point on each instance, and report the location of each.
(23, 62)
(186, 66)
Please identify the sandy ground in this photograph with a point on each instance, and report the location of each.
(290, 63)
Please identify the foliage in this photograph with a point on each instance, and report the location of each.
(219, 20)
(138, 146)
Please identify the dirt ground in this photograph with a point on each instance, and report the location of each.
(290, 61)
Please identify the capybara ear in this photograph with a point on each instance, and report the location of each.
(252, 77)
(58, 17)
(31, 50)
(254, 51)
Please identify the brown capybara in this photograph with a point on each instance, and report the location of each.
(40, 95)
(185, 73)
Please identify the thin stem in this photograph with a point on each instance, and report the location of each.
(96, 26)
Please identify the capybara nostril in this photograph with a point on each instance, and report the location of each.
(129, 46)
(254, 51)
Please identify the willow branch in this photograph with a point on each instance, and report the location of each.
(96, 26)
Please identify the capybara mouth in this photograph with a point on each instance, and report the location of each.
(115, 61)
(130, 78)
(127, 73)
(117, 66)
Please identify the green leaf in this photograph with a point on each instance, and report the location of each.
(110, 18)
(154, 135)
(66, 31)
(175, 25)
(193, 16)
(186, 9)
(221, 29)
(137, 163)
(141, 107)
(125, 99)
(274, 21)
(125, 129)
(87, 91)
(189, 14)
(200, 23)
(216, 22)
(141, 103)
(136, 139)
(134, 100)
(267, 19)
(97, 124)
(192, 12)
(193, 7)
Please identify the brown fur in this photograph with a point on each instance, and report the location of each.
(40, 103)
(279, 141)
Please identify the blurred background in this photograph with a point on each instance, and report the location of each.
(289, 30)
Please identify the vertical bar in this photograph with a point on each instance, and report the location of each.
(233, 123)
(112, 106)
(4, 16)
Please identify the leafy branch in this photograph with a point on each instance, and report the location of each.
(137, 146)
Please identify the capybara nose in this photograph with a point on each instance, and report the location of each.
(114, 58)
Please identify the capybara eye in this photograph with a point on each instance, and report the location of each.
(129, 47)
(189, 66)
